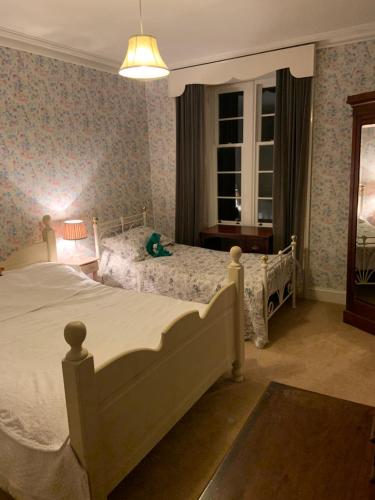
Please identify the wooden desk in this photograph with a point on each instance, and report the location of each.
(251, 239)
(299, 445)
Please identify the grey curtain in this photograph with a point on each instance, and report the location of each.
(190, 125)
(291, 157)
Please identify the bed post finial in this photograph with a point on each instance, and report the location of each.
(144, 213)
(75, 334)
(236, 275)
(47, 221)
(294, 272)
(50, 238)
(95, 221)
(235, 254)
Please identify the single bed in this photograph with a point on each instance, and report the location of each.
(193, 273)
(154, 357)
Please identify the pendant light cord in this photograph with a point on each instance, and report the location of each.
(140, 16)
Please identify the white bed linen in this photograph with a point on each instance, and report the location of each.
(35, 304)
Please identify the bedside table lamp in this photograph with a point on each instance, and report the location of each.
(74, 230)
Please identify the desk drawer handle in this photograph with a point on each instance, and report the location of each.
(254, 247)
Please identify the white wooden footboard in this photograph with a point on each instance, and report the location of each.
(120, 411)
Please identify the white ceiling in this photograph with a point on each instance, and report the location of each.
(188, 31)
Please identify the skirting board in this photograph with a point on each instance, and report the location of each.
(326, 295)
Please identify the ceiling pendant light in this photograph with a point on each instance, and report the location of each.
(143, 60)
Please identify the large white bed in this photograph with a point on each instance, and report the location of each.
(193, 273)
(154, 357)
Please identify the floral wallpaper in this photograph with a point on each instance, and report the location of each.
(162, 146)
(341, 71)
(73, 143)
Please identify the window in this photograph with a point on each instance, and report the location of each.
(241, 153)
(264, 154)
(229, 155)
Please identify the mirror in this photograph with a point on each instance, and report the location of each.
(364, 287)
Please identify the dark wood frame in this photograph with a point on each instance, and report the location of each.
(251, 239)
(358, 313)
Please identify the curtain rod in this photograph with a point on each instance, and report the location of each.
(240, 57)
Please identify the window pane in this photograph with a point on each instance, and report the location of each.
(267, 128)
(265, 185)
(231, 132)
(229, 210)
(268, 100)
(266, 157)
(265, 210)
(229, 184)
(230, 104)
(228, 159)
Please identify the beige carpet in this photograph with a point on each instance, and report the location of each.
(311, 348)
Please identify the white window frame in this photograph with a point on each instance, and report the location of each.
(249, 149)
(260, 84)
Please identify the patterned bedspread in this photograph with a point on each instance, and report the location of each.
(196, 274)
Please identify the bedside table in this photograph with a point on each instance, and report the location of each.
(251, 239)
(88, 265)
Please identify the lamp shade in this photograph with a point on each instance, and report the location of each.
(143, 60)
(74, 230)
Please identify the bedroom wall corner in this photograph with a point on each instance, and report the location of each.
(74, 143)
(161, 118)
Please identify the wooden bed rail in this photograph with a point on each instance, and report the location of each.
(236, 275)
(118, 412)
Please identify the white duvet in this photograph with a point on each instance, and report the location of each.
(36, 460)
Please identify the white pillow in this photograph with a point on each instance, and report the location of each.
(113, 243)
(135, 240)
(131, 244)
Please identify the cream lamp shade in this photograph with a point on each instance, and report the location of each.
(143, 60)
(74, 230)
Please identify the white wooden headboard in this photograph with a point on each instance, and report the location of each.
(116, 226)
(43, 251)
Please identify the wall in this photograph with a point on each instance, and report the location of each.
(341, 71)
(77, 142)
(73, 143)
(162, 146)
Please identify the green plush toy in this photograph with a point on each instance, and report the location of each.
(155, 248)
